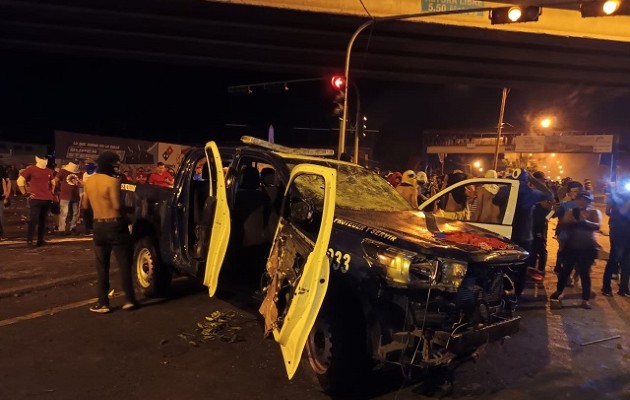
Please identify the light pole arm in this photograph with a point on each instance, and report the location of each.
(343, 126)
(346, 74)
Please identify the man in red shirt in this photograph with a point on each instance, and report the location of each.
(41, 184)
(161, 177)
(69, 181)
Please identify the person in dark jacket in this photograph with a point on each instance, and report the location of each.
(530, 192)
(619, 201)
(540, 227)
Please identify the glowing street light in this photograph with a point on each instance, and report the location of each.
(545, 122)
(604, 8)
(477, 164)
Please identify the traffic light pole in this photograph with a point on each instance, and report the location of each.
(344, 119)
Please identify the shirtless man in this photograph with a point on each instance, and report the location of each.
(102, 193)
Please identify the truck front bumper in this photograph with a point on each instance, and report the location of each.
(467, 341)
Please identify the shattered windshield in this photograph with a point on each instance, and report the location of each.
(358, 188)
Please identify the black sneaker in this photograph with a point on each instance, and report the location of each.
(607, 293)
(623, 293)
(129, 306)
(555, 296)
(100, 309)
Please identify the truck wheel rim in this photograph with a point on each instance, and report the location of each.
(144, 267)
(319, 347)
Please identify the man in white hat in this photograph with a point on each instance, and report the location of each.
(41, 184)
(69, 197)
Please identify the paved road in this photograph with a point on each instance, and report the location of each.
(51, 347)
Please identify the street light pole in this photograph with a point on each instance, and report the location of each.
(342, 128)
(500, 127)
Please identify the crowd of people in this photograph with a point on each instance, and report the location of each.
(63, 194)
(54, 194)
(538, 200)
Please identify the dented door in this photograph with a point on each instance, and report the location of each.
(298, 267)
(216, 208)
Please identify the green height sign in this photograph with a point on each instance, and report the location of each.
(451, 5)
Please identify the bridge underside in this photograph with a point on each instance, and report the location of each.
(218, 34)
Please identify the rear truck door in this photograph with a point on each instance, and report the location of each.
(217, 213)
(506, 203)
(298, 266)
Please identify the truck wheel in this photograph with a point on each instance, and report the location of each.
(336, 350)
(152, 276)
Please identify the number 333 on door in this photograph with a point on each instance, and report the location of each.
(338, 260)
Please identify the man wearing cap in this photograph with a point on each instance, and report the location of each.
(408, 189)
(69, 184)
(580, 247)
(41, 184)
(102, 194)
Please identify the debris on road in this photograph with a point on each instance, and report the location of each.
(218, 326)
(600, 340)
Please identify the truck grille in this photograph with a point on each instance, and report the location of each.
(483, 285)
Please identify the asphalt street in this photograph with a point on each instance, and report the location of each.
(52, 347)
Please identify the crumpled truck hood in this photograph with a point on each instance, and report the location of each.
(430, 235)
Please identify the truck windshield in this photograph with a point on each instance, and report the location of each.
(358, 188)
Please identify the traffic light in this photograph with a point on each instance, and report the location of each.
(510, 15)
(338, 82)
(605, 8)
(364, 127)
(338, 111)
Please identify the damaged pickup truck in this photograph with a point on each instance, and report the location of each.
(349, 272)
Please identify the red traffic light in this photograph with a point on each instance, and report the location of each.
(338, 82)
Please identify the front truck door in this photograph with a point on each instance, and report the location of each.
(490, 203)
(298, 266)
(217, 214)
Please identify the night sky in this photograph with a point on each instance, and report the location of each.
(184, 104)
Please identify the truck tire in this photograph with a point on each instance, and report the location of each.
(152, 276)
(336, 350)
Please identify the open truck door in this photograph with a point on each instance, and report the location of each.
(298, 267)
(490, 203)
(217, 215)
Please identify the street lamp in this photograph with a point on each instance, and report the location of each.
(342, 129)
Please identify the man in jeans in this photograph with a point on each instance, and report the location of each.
(102, 193)
(41, 184)
(69, 183)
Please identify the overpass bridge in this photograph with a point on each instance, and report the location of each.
(309, 38)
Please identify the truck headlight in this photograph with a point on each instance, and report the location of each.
(452, 272)
(397, 265)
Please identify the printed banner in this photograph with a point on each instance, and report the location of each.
(85, 147)
(564, 144)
